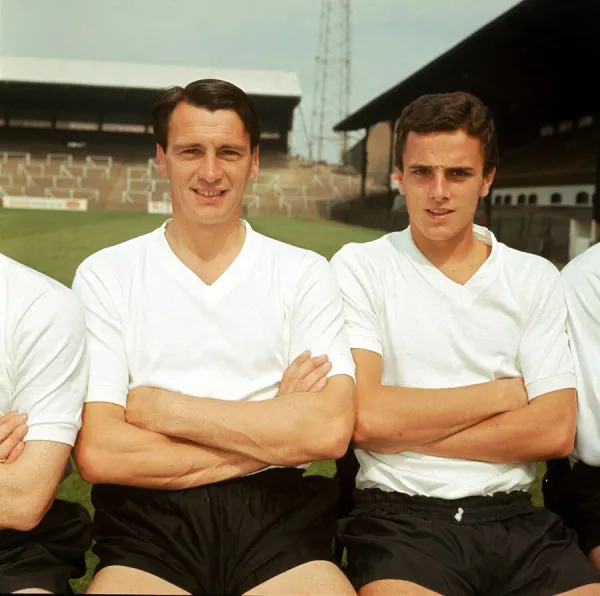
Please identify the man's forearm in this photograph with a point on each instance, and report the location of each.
(287, 430)
(395, 419)
(544, 429)
(131, 456)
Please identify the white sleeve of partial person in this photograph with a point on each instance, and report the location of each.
(359, 293)
(582, 292)
(544, 354)
(50, 367)
(109, 373)
(318, 319)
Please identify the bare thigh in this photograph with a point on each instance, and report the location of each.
(591, 590)
(317, 578)
(394, 587)
(117, 579)
(594, 558)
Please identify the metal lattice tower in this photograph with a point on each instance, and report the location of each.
(332, 79)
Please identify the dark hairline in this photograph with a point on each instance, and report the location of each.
(246, 132)
(209, 94)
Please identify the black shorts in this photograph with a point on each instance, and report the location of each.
(497, 545)
(223, 538)
(51, 554)
(574, 494)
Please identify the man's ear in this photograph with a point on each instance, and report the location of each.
(160, 160)
(398, 178)
(488, 179)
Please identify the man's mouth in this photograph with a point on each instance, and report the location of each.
(208, 193)
(439, 211)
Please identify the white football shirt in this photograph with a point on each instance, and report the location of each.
(43, 361)
(508, 320)
(153, 322)
(581, 281)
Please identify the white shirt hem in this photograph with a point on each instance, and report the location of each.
(555, 383)
(56, 433)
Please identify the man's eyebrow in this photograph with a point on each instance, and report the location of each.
(196, 145)
(190, 145)
(419, 166)
(240, 148)
(467, 169)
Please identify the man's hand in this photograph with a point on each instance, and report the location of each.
(512, 393)
(13, 428)
(305, 374)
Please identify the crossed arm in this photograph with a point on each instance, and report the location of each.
(168, 440)
(289, 430)
(543, 429)
(28, 482)
(111, 450)
(492, 421)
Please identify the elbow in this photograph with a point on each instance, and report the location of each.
(28, 512)
(339, 442)
(328, 438)
(94, 464)
(564, 441)
(566, 431)
(336, 437)
(559, 442)
(25, 521)
(361, 435)
(365, 431)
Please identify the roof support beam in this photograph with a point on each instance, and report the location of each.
(596, 203)
(391, 156)
(363, 176)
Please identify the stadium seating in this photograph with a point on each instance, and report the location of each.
(557, 159)
(115, 180)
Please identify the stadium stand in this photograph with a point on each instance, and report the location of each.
(531, 67)
(283, 187)
(81, 132)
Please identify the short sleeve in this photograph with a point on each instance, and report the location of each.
(359, 293)
(318, 319)
(582, 294)
(544, 353)
(109, 372)
(50, 367)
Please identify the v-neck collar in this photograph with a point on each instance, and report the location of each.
(231, 277)
(478, 282)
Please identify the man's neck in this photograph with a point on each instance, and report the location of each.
(454, 250)
(207, 250)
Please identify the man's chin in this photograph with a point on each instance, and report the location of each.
(215, 214)
(442, 232)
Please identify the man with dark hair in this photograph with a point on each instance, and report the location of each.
(464, 379)
(43, 378)
(575, 494)
(204, 405)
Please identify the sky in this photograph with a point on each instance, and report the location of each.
(390, 39)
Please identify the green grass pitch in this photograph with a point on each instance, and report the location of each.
(56, 242)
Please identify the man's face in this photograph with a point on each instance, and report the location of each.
(442, 182)
(208, 162)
